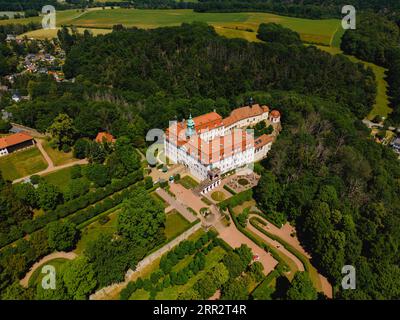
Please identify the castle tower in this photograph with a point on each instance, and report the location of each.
(190, 127)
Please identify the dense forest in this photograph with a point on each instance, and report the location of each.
(192, 61)
(308, 9)
(377, 39)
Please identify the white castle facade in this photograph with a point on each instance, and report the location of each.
(209, 144)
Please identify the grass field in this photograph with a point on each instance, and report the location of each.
(232, 25)
(188, 182)
(175, 224)
(218, 196)
(22, 163)
(93, 230)
(60, 178)
(37, 276)
(42, 34)
(58, 157)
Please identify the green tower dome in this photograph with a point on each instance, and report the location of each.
(190, 130)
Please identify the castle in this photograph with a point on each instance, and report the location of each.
(209, 145)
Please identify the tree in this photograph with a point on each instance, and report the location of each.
(79, 278)
(17, 292)
(273, 32)
(142, 219)
(62, 235)
(301, 288)
(76, 188)
(49, 196)
(235, 289)
(98, 173)
(81, 148)
(26, 193)
(62, 130)
(219, 274)
(5, 126)
(108, 258)
(234, 264)
(268, 192)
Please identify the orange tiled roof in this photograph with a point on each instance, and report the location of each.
(220, 147)
(14, 139)
(244, 113)
(263, 140)
(104, 136)
(275, 114)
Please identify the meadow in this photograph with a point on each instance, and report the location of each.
(240, 24)
(22, 163)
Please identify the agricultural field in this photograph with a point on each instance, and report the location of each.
(22, 163)
(42, 34)
(232, 25)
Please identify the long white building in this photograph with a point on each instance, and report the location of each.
(208, 143)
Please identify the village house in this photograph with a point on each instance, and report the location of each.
(105, 137)
(15, 142)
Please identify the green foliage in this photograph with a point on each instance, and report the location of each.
(62, 130)
(98, 173)
(141, 219)
(79, 278)
(49, 196)
(236, 289)
(273, 32)
(26, 193)
(301, 288)
(62, 236)
(5, 126)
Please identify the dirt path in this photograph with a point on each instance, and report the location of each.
(55, 255)
(50, 164)
(53, 169)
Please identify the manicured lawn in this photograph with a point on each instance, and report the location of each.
(175, 224)
(60, 178)
(188, 182)
(38, 275)
(58, 157)
(231, 25)
(243, 182)
(218, 196)
(22, 163)
(92, 231)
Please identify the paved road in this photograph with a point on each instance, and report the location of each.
(176, 204)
